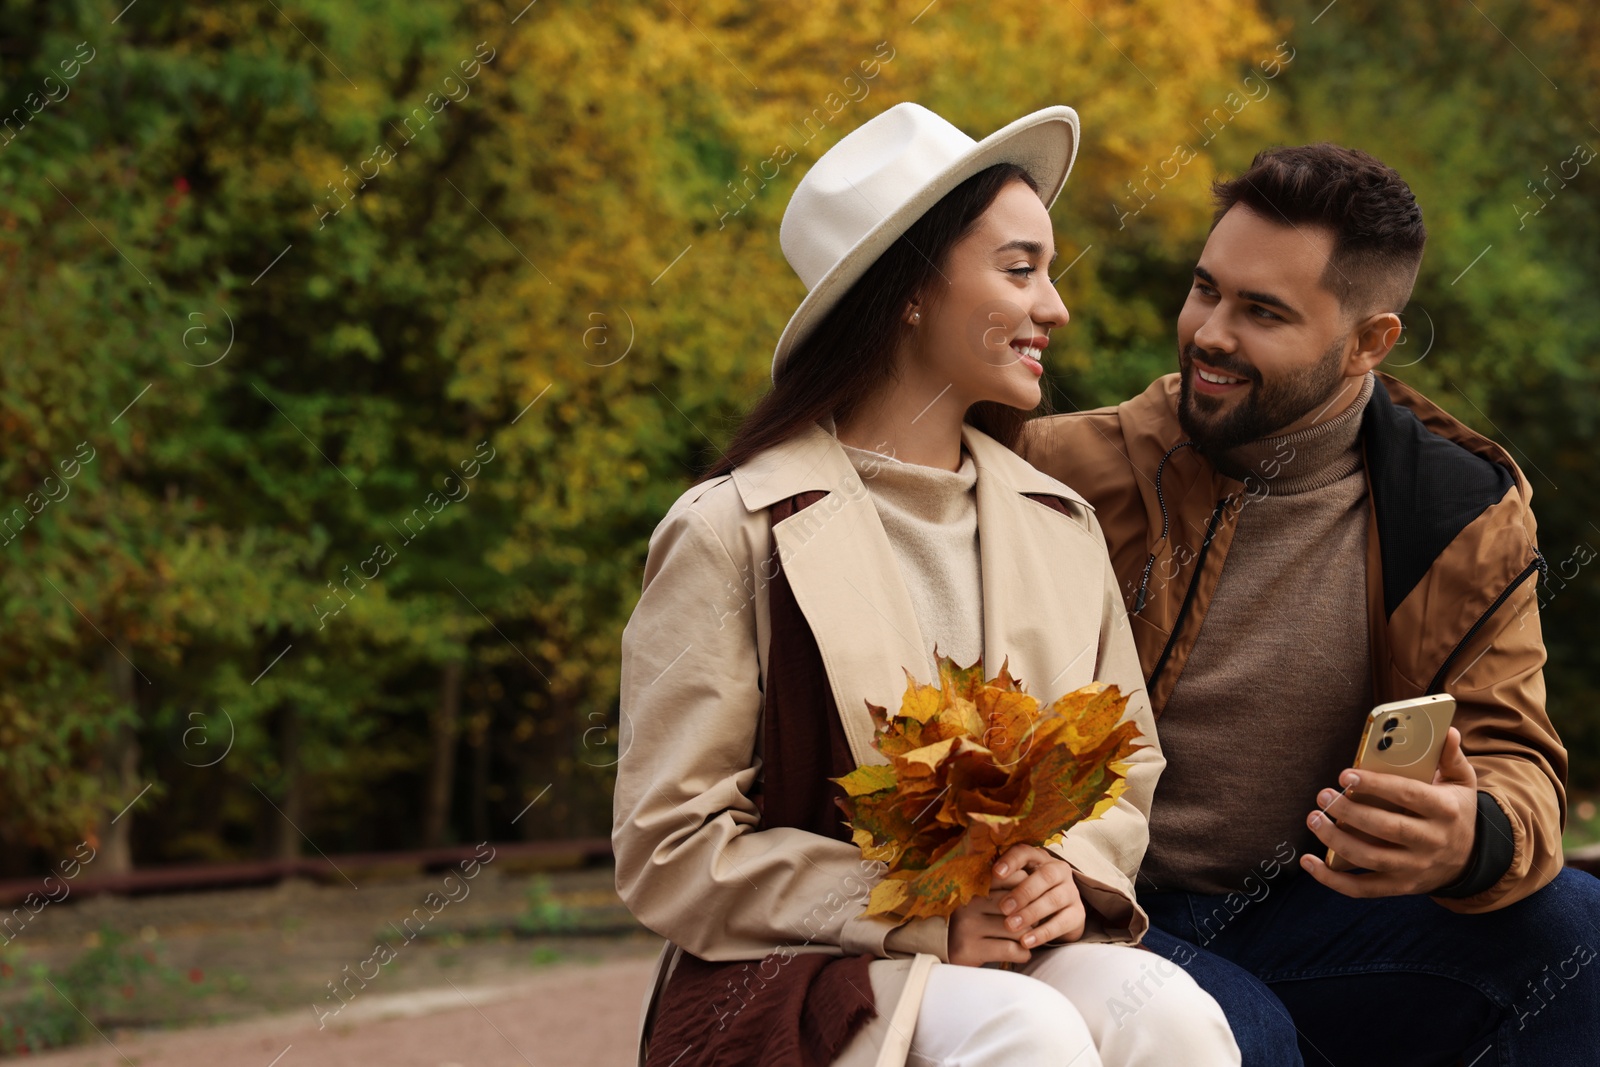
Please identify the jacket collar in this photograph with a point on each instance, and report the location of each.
(1438, 421)
(1428, 483)
(813, 459)
(1430, 474)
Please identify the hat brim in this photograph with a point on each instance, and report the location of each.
(1044, 143)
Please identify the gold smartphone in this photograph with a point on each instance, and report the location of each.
(1404, 738)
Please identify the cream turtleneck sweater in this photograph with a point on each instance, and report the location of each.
(931, 518)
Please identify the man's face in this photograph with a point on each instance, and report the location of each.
(1261, 341)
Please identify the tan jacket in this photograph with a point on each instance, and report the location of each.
(1451, 576)
(691, 862)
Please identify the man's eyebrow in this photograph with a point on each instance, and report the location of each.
(1033, 248)
(1247, 294)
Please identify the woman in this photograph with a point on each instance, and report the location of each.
(868, 515)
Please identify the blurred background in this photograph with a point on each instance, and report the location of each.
(353, 349)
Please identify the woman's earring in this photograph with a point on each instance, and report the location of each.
(916, 316)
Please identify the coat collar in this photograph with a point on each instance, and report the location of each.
(846, 578)
(813, 459)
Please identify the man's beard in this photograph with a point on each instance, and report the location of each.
(1265, 409)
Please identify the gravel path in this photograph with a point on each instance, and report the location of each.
(567, 1015)
(254, 966)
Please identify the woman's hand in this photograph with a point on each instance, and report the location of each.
(1043, 904)
(978, 934)
(1033, 900)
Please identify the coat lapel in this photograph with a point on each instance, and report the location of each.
(843, 572)
(1042, 583)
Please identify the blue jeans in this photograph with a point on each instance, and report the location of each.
(1309, 976)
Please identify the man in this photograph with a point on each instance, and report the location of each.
(1300, 538)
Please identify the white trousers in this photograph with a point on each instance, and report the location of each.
(1076, 1005)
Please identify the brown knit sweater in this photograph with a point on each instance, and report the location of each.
(1271, 702)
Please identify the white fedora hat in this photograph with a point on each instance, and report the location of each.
(880, 178)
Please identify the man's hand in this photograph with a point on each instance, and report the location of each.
(1424, 847)
(1033, 900)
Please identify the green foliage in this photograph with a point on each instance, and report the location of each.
(543, 913)
(44, 1007)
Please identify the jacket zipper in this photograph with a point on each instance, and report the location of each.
(1539, 564)
(1144, 580)
(1188, 597)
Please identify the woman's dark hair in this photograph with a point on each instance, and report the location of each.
(849, 355)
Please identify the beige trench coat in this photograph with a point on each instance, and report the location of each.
(691, 862)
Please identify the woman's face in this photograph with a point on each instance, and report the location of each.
(983, 333)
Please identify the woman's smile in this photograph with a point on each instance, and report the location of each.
(1030, 351)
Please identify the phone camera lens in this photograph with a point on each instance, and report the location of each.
(1383, 745)
(1391, 724)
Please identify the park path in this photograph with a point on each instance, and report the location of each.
(572, 1014)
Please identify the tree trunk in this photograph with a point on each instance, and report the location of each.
(441, 776)
(121, 757)
(293, 816)
(478, 739)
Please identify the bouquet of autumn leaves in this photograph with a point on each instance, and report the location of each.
(975, 767)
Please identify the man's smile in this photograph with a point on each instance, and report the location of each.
(1213, 382)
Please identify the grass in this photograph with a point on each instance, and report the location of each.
(544, 913)
(113, 982)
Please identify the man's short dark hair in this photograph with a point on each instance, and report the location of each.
(1377, 227)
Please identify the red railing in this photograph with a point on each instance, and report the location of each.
(553, 854)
